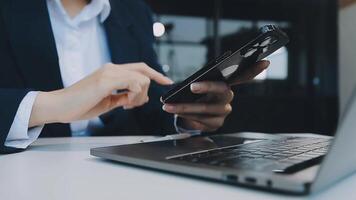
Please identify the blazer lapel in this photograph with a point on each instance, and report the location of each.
(124, 47)
(33, 44)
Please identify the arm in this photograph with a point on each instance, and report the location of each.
(86, 99)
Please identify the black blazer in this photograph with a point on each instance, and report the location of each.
(29, 61)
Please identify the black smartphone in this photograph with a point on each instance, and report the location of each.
(230, 65)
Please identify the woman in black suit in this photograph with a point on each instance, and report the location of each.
(30, 60)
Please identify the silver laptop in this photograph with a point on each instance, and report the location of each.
(278, 163)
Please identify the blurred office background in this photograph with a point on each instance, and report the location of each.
(299, 91)
(347, 47)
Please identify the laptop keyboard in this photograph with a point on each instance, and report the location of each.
(279, 156)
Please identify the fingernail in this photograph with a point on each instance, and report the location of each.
(170, 81)
(168, 108)
(128, 107)
(267, 63)
(195, 87)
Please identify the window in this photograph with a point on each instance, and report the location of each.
(185, 44)
(180, 53)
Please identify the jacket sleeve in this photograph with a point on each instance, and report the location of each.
(10, 100)
(11, 88)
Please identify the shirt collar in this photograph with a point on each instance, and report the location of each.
(101, 8)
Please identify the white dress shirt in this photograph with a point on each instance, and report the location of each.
(81, 45)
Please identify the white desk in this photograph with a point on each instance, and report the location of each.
(63, 169)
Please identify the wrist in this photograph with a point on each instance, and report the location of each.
(46, 109)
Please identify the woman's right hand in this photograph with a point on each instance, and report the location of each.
(95, 94)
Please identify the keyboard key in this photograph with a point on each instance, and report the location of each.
(261, 153)
(271, 157)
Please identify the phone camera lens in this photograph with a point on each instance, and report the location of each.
(228, 71)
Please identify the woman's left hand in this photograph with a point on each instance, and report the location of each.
(210, 113)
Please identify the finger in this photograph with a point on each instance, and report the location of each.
(214, 98)
(135, 90)
(128, 83)
(135, 104)
(135, 99)
(151, 73)
(202, 109)
(134, 87)
(252, 72)
(228, 97)
(107, 104)
(209, 87)
(142, 97)
(199, 126)
(208, 123)
(137, 85)
(130, 106)
(118, 100)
